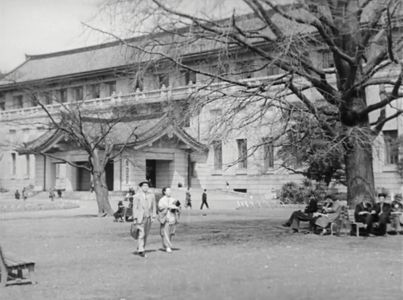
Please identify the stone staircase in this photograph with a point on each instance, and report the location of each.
(217, 199)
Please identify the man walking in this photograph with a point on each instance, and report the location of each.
(204, 199)
(188, 199)
(144, 212)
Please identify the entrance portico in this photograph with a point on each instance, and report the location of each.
(160, 154)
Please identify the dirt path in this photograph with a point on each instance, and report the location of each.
(224, 255)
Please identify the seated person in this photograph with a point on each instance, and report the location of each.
(396, 216)
(119, 214)
(362, 213)
(329, 214)
(298, 215)
(380, 213)
(129, 210)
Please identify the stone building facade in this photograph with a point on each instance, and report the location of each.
(175, 153)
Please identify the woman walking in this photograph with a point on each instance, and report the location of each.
(168, 215)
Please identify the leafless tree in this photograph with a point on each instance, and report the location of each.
(102, 133)
(363, 38)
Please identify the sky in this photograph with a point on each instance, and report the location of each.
(46, 26)
(42, 26)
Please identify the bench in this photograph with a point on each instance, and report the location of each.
(357, 225)
(12, 270)
(346, 220)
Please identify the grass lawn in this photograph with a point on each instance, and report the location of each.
(226, 254)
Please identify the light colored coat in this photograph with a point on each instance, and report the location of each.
(332, 214)
(143, 206)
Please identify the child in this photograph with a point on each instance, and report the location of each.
(52, 194)
(120, 213)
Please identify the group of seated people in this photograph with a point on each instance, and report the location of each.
(374, 216)
(382, 212)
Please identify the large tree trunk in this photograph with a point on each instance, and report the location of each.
(359, 171)
(100, 187)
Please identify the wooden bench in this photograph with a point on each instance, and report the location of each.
(357, 225)
(346, 220)
(12, 270)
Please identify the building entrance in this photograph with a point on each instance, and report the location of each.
(158, 172)
(83, 177)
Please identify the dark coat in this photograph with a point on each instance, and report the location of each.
(311, 207)
(385, 209)
(363, 206)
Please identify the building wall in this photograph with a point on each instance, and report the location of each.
(173, 165)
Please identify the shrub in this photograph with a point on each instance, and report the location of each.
(292, 192)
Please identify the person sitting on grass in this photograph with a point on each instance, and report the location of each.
(306, 215)
(329, 214)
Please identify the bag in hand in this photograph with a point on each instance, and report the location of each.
(134, 231)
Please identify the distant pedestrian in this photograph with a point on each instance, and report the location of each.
(188, 198)
(204, 199)
(17, 195)
(52, 194)
(24, 194)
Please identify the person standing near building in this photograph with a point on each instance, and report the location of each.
(51, 194)
(188, 199)
(24, 194)
(144, 212)
(204, 199)
(168, 215)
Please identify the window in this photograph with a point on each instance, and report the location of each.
(217, 146)
(220, 69)
(27, 165)
(268, 155)
(273, 70)
(57, 171)
(190, 76)
(327, 60)
(193, 169)
(215, 113)
(34, 98)
(48, 98)
(245, 69)
(242, 153)
(13, 164)
(110, 87)
(2, 105)
(186, 120)
(12, 131)
(391, 147)
(138, 84)
(163, 80)
(127, 170)
(18, 102)
(62, 95)
(93, 91)
(78, 93)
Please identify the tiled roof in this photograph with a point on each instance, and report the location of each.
(146, 131)
(115, 54)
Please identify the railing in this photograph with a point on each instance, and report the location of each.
(163, 94)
